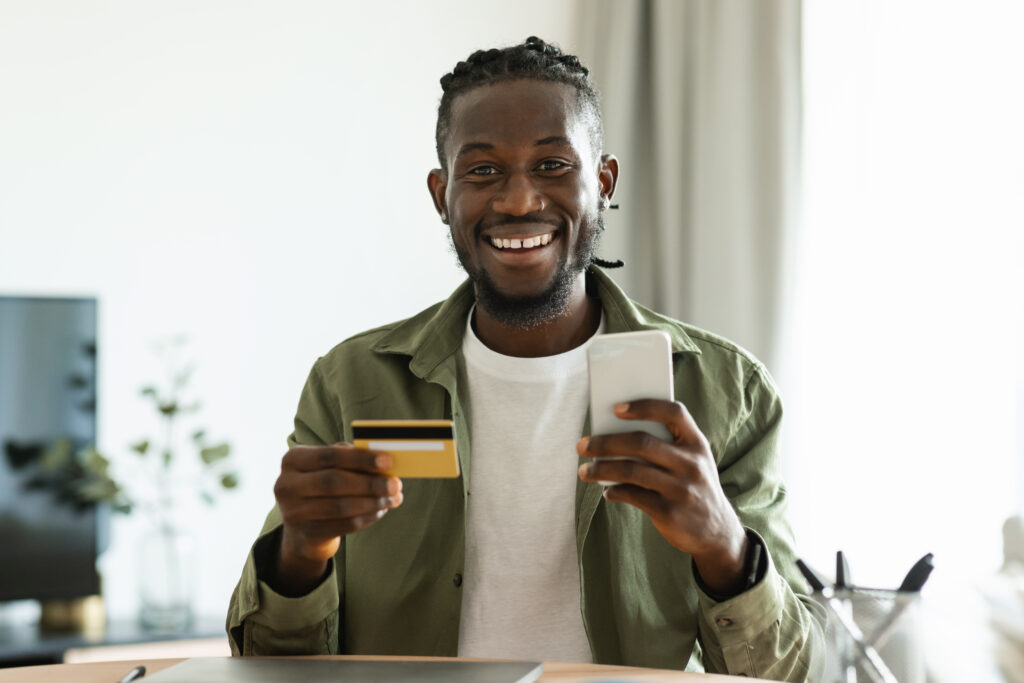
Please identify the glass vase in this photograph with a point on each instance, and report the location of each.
(166, 580)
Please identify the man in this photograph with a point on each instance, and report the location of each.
(685, 562)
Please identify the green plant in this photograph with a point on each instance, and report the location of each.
(81, 476)
(76, 476)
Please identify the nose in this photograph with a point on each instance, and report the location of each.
(518, 196)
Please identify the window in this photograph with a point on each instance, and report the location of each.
(904, 380)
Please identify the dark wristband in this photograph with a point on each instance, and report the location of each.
(754, 567)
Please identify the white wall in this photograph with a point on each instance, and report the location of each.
(249, 174)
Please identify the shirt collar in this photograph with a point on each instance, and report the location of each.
(435, 334)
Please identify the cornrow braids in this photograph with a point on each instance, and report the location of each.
(532, 59)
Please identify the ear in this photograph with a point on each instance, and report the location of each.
(437, 183)
(607, 176)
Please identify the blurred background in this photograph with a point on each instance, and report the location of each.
(836, 186)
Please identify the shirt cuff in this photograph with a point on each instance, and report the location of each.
(741, 617)
(284, 613)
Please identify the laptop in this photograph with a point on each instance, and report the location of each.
(286, 670)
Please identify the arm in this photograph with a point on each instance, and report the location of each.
(262, 621)
(774, 623)
(288, 597)
(704, 505)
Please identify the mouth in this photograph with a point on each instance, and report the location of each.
(522, 242)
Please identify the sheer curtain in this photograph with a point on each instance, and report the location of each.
(906, 341)
(904, 380)
(702, 106)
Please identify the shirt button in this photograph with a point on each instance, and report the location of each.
(457, 580)
(723, 621)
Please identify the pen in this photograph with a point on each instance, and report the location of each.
(844, 585)
(842, 571)
(918, 574)
(137, 672)
(817, 585)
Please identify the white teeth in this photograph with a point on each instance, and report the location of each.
(527, 243)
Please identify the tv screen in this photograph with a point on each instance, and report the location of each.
(47, 394)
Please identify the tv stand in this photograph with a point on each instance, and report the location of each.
(28, 644)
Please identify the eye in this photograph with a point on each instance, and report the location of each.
(483, 171)
(552, 165)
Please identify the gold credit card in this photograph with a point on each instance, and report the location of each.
(418, 448)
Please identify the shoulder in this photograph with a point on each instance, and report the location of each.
(708, 352)
(725, 356)
(363, 345)
(723, 385)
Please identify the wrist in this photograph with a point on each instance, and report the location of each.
(294, 572)
(723, 570)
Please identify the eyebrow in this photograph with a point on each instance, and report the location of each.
(550, 140)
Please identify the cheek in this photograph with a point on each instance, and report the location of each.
(465, 206)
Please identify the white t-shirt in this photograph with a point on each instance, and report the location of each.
(521, 582)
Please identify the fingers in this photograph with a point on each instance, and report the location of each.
(334, 482)
(340, 456)
(637, 473)
(672, 414)
(328, 491)
(641, 445)
(336, 508)
(315, 530)
(648, 501)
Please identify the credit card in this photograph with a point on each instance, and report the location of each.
(418, 448)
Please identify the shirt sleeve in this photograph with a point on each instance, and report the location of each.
(261, 621)
(772, 630)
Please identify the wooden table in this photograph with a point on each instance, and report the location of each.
(554, 672)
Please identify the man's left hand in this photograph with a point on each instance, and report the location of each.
(676, 484)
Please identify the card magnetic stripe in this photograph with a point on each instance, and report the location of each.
(401, 432)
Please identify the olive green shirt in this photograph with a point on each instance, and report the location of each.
(395, 587)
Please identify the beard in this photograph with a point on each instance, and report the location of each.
(529, 311)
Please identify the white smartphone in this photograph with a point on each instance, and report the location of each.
(627, 366)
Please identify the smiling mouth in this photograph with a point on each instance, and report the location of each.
(514, 243)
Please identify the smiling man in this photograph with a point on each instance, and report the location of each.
(685, 562)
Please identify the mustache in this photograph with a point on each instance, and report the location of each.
(530, 218)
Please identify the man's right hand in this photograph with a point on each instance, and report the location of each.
(325, 493)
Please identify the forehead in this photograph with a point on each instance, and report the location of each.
(515, 113)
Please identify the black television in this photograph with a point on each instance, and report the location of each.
(47, 393)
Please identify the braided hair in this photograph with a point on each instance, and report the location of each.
(532, 59)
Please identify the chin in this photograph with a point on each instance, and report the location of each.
(525, 310)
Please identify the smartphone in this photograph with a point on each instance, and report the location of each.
(624, 367)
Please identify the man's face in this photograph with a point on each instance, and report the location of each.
(521, 194)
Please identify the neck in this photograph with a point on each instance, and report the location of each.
(576, 325)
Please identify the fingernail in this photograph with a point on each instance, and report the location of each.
(621, 407)
(382, 462)
(584, 442)
(584, 470)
